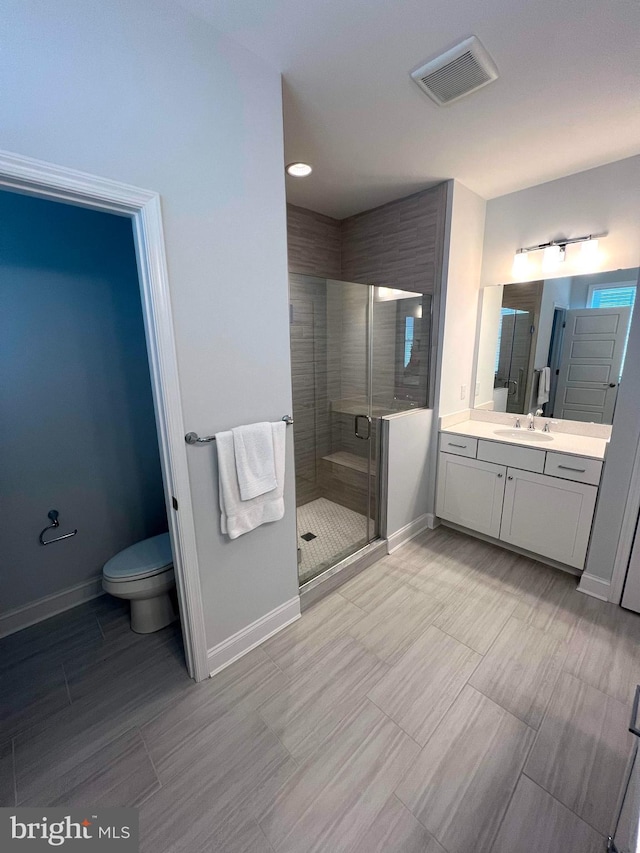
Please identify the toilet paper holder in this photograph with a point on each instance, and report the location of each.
(53, 516)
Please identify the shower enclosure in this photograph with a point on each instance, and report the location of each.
(358, 353)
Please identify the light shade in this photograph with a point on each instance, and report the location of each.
(589, 255)
(520, 267)
(298, 170)
(552, 258)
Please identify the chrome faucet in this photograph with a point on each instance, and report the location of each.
(531, 419)
(517, 423)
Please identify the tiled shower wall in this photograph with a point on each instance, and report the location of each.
(308, 319)
(397, 245)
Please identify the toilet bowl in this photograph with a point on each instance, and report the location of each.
(143, 573)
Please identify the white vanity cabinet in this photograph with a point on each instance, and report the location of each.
(549, 514)
(471, 493)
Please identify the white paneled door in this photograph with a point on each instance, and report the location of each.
(591, 363)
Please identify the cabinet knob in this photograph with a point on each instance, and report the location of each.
(499, 476)
(509, 478)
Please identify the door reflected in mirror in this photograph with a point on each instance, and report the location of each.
(557, 345)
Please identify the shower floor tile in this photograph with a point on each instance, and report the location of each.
(336, 530)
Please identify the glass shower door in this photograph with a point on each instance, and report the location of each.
(335, 433)
(513, 356)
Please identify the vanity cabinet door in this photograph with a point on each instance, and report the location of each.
(548, 516)
(470, 493)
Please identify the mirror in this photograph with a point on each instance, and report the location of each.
(401, 325)
(557, 345)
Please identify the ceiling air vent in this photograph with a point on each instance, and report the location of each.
(456, 73)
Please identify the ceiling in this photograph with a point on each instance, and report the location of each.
(568, 96)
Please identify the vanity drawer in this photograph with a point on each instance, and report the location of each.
(573, 468)
(461, 445)
(525, 458)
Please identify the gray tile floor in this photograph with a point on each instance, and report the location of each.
(338, 532)
(452, 698)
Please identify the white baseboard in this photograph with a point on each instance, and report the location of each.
(402, 536)
(433, 521)
(234, 647)
(42, 608)
(595, 587)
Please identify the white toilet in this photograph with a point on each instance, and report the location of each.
(143, 573)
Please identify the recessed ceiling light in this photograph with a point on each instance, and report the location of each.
(298, 170)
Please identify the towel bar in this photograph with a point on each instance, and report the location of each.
(194, 438)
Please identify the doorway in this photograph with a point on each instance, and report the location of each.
(142, 207)
(82, 479)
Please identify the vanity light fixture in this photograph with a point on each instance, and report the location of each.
(554, 254)
(298, 170)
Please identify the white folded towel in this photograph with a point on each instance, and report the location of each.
(238, 516)
(255, 462)
(544, 385)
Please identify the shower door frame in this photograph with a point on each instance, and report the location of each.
(375, 457)
(57, 183)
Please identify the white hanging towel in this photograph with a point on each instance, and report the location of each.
(238, 516)
(255, 460)
(544, 385)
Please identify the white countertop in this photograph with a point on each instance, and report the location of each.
(561, 442)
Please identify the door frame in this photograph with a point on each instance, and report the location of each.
(57, 183)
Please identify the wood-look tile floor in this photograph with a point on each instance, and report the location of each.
(452, 698)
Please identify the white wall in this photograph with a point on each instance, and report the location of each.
(77, 432)
(461, 277)
(487, 344)
(408, 467)
(596, 201)
(143, 93)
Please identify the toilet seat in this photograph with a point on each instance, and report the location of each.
(142, 560)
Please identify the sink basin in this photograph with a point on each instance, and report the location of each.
(523, 434)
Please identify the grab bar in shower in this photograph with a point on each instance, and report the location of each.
(194, 438)
(53, 515)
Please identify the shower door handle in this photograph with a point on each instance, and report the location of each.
(356, 427)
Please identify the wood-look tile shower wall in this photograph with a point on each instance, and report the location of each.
(398, 245)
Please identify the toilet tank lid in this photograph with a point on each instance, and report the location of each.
(141, 560)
